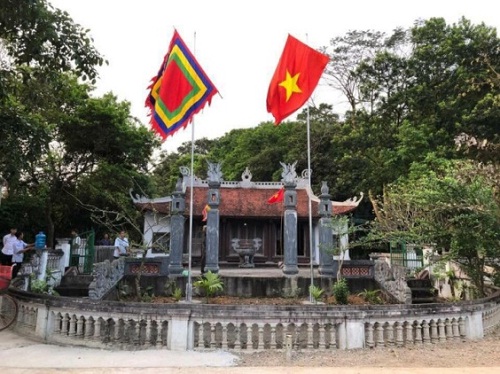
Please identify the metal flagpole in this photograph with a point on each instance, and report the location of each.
(189, 285)
(311, 250)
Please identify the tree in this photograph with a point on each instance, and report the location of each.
(36, 34)
(449, 205)
(87, 146)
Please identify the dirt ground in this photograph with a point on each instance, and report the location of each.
(234, 300)
(482, 353)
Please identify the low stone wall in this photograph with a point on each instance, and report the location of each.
(181, 326)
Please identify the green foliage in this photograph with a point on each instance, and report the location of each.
(42, 286)
(124, 290)
(316, 292)
(172, 289)
(177, 293)
(209, 283)
(147, 295)
(340, 290)
(35, 33)
(449, 205)
(371, 296)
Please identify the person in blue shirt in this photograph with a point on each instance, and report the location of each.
(105, 240)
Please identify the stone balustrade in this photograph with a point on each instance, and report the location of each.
(118, 325)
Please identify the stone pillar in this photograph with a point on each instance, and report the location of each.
(325, 233)
(212, 239)
(180, 333)
(474, 328)
(177, 221)
(290, 235)
(351, 334)
(63, 245)
(44, 257)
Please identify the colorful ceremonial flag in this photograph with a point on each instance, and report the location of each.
(179, 91)
(277, 197)
(297, 75)
(204, 213)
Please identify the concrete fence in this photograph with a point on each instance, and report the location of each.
(130, 326)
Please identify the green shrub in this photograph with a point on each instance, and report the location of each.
(42, 286)
(341, 291)
(177, 293)
(209, 283)
(371, 296)
(316, 292)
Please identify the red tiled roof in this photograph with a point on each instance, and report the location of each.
(250, 202)
(245, 202)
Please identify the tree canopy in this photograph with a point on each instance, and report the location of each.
(428, 92)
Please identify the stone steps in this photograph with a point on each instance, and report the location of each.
(422, 291)
(74, 285)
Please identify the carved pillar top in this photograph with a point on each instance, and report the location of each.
(325, 205)
(214, 174)
(289, 175)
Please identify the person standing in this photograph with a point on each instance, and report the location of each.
(121, 245)
(105, 240)
(76, 241)
(8, 249)
(19, 248)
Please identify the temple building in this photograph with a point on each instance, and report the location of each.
(242, 227)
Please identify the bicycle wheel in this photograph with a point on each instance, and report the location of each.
(8, 311)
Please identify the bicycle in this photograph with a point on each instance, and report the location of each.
(8, 305)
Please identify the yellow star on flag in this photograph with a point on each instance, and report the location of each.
(290, 84)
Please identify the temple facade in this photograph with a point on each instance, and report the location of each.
(242, 227)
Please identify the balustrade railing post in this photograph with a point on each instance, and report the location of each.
(456, 332)
(72, 326)
(79, 327)
(224, 344)
(273, 343)
(380, 335)
(426, 332)
(88, 328)
(399, 335)
(369, 335)
(97, 329)
(409, 333)
(434, 331)
(441, 330)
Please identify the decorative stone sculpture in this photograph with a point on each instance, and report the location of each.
(214, 172)
(246, 249)
(289, 175)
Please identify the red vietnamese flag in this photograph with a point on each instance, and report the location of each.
(297, 75)
(277, 197)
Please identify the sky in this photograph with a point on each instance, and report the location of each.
(238, 44)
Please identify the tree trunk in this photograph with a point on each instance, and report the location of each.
(49, 224)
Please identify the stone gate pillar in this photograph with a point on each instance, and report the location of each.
(290, 266)
(177, 221)
(325, 233)
(212, 239)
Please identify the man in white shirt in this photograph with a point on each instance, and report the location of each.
(19, 248)
(8, 248)
(121, 245)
